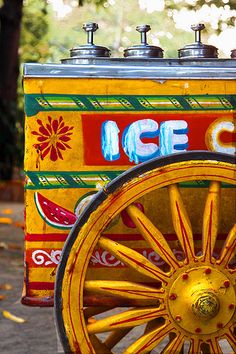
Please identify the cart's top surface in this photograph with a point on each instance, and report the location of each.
(124, 68)
(143, 61)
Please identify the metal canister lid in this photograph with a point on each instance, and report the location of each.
(89, 50)
(233, 53)
(198, 50)
(143, 50)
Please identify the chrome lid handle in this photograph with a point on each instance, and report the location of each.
(143, 50)
(198, 28)
(90, 28)
(89, 50)
(143, 29)
(198, 50)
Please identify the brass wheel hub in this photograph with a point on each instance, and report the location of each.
(201, 300)
(206, 305)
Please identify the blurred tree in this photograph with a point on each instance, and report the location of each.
(119, 18)
(195, 4)
(24, 35)
(226, 19)
(10, 20)
(34, 47)
(177, 3)
(117, 22)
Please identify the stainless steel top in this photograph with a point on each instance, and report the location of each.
(124, 68)
(142, 61)
(143, 50)
(198, 49)
(90, 50)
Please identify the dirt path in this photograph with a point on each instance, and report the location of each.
(37, 335)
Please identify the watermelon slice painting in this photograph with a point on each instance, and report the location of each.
(54, 214)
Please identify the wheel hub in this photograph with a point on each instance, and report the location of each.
(206, 305)
(201, 300)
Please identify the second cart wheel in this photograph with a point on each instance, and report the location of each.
(186, 304)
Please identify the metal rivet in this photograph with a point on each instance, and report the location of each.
(231, 306)
(207, 270)
(185, 276)
(198, 330)
(227, 283)
(172, 296)
(178, 318)
(220, 325)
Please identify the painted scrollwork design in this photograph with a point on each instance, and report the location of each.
(41, 257)
(153, 257)
(106, 259)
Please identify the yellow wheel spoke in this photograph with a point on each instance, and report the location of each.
(130, 318)
(232, 342)
(211, 220)
(214, 347)
(231, 338)
(181, 222)
(150, 340)
(92, 311)
(229, 248)
(99, 346)
(195, 346)
(116, 336)
(153, 324)
(125, 289)
(175, 345)
(152, 235)
(133, 259)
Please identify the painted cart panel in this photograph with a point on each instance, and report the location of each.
(83, 132)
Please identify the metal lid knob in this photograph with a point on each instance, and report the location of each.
(198, 50)
(233, 53)
(89, 50)
(197, 29)
(143, 29)
(90, 28)
(143, 50)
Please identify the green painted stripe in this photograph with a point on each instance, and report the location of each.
(35, 103)
(54, 180)
(83, 179)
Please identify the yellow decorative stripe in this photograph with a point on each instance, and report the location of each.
(42, 245)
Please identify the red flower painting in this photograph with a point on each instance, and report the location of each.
(52, 138)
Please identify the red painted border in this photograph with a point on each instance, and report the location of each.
(54, 237)
(36, 285)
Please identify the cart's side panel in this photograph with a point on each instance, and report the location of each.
(82, 133)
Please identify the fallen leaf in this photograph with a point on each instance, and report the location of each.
(5, 286)
(14, 246)
(6, 211)
(19, 224)
(6, 221)
(2, 297)
(3, 245)
(11, 317)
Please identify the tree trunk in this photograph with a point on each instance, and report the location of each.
(10, 20)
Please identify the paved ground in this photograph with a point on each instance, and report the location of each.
(37, 335)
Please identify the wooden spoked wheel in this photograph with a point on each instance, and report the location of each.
(187, 304)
